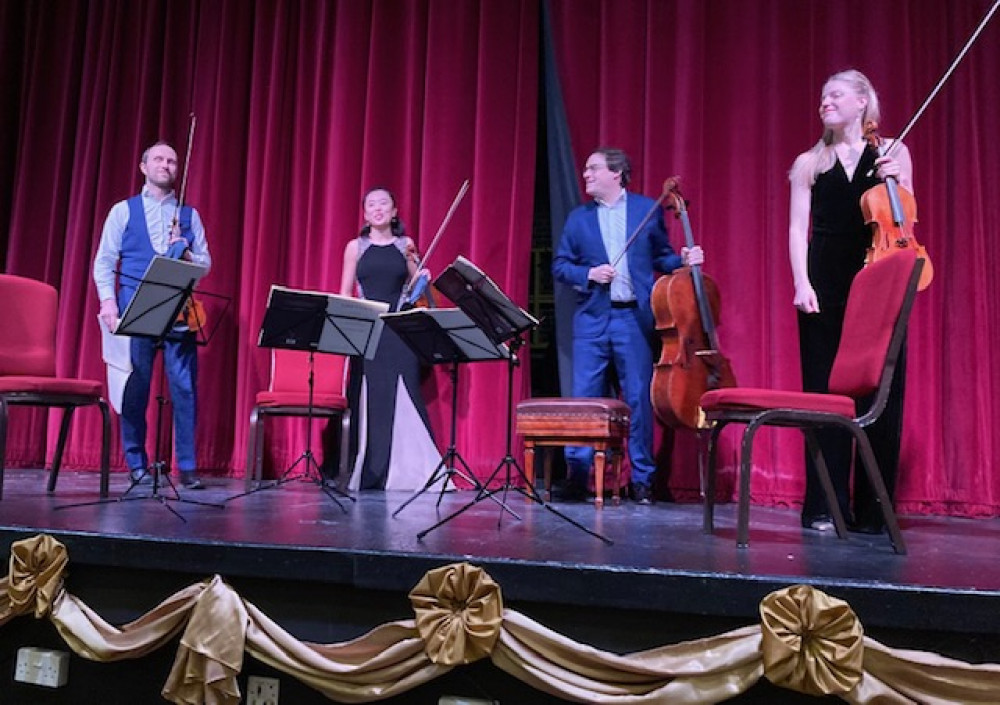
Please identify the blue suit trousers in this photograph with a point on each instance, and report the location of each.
(180, 358)
(624, 345)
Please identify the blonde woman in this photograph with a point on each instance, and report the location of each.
(827, 239)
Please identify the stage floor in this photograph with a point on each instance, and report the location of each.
(659, 559)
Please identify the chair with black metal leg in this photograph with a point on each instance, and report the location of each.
(28, 370)
(874, 330)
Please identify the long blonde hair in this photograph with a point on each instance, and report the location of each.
(821, 157)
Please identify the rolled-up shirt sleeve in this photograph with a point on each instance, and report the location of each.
(199, 245)
(109, 250)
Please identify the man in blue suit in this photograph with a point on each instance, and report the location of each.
(613, 323)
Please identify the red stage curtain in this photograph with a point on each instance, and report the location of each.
(726, 94)
(301, 106)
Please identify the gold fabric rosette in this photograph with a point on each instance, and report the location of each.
(807, 641)
(35, 580)
(811, 642)
(459, 613)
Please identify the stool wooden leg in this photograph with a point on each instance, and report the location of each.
(616, 461)
(547, 463)
(600, 461)
(529, 463)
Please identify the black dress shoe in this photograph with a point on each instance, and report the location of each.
(818, 522)
(190, 481)
(641, 494)
(570, 492)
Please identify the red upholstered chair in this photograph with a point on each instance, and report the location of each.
(288, 395)
(28, 369)
(878, 309)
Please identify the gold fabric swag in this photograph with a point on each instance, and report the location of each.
(806, 641)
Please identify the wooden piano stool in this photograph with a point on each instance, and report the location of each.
(575, 421)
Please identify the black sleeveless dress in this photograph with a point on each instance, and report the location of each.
(839, 239)
(396, 449)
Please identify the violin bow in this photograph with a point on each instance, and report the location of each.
(187, 162)
(944, 79)
(667, 188)
(434, 241)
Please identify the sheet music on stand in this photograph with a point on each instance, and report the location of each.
(313, 320)
(479, 296)
(160, 297)
(164, 288)
(443, 335)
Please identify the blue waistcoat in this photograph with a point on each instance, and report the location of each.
(137, 250)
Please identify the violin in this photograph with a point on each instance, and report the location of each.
(421, 293)
(417, 291)
(192, 314)
(891, 210)
(685, 305)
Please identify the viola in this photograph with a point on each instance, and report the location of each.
(685, 305)
(890, 210)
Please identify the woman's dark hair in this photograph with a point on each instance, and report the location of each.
(396, 225)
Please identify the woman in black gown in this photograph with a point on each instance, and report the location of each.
(396, 449)
(827, 242)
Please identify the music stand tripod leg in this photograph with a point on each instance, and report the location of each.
(160, 467)
(510, 461)
(312, 470)
(445, 469)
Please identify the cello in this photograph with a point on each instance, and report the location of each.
(685, 305)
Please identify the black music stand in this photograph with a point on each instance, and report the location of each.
(162, 293)
(445, 336)
(314, 322)
(503, 322)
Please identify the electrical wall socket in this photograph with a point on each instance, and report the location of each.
(262, 691)
(41, 667)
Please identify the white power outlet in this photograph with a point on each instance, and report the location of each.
(41, 667)
(262, 691)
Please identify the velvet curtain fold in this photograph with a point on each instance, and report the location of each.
(301, 106)
(726, 94)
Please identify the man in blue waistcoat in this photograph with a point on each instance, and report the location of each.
(148, 224)
(613, 323)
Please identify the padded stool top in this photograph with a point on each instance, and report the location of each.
(574, 406)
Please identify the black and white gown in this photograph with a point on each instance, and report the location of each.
(396, 450)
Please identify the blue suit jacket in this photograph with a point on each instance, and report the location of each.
(581, 247)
